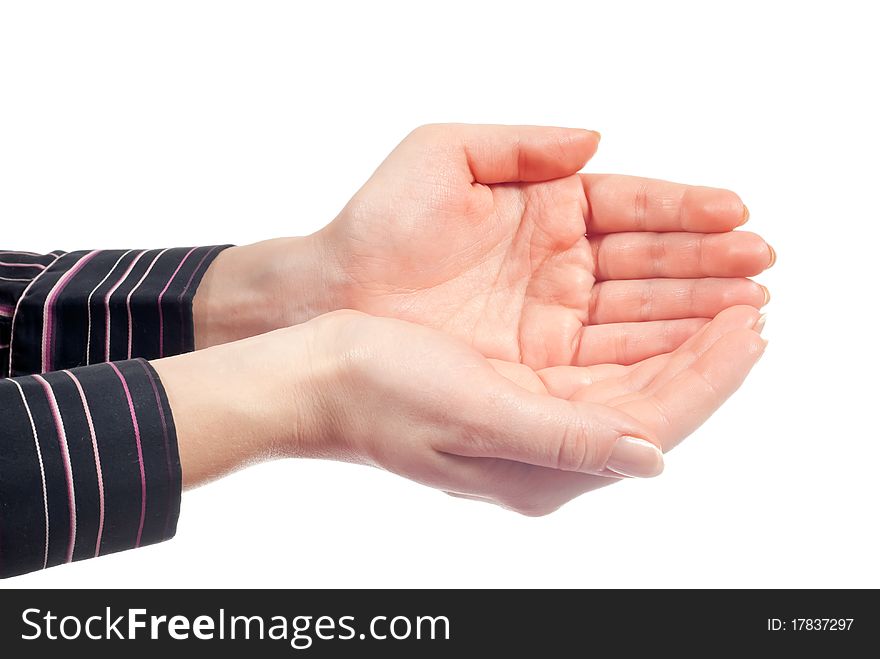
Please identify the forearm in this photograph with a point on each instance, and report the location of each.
(93, 459)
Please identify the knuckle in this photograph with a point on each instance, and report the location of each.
(692, 293)
(698, 246)
(646, 301)
(622, 343)
(658, 252)
(640, 207)
(576, 451)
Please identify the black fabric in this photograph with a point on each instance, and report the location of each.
(89, 462)
(125, 476)
(92, 307)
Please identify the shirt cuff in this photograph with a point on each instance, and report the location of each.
(89, 465)
(92, 307)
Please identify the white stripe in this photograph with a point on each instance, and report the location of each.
(18, 304)
(132, 292)
(89, 305)
(7, 264)
(98, 470)
(42, 469)
(65, 457)
(109, 295)
(71, 272)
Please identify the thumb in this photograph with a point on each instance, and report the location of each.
(507, 154)
(567, 435)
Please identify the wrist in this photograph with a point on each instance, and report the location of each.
(254, 289)
(252, 400)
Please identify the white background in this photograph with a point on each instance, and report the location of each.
(208, 122)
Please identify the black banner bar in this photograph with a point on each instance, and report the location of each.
(318, 623)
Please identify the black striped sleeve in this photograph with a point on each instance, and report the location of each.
(88, 307)
(88, 456)
(17, 271)
(88, 465)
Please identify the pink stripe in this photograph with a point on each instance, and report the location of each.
(6, 310)
(16, 253)
(49, 309)
(14, 279)
(82, 396)
(89, 305)
(132, 292)
(65, 458)
(6, 264)
(42, 470)
(193, 275)
(164, 437)
(3, 346)
(107, 303)
(17, 307)
(190, 281)
(137, 439)
(162, 295)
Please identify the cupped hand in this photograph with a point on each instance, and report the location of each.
(420, 403)
(489, 233)
(424, 405)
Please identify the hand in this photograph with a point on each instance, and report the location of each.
(424, 405)
(480, 231)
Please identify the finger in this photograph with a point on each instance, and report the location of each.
(602, 383)
(628, 203)
(628, 343)
(606, 392)
(545, 431)
(643, 255)
(503, 154)
(558, 381)
(519, 373)
(664, 299)
(565, 381)
(729, 320)
(681, 405)
(649, 375)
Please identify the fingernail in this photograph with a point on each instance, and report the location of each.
(772, 256)
(759, 324)
(745, 217)
(598, 134)
(766, 294)
(635, 458)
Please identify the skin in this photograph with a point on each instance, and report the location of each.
(489, 234)
(425, 405)
(519, 333)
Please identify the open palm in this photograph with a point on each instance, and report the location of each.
(427, 406)
(670, 394)
(490, 234)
